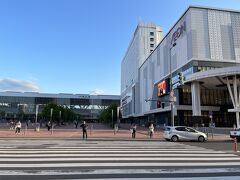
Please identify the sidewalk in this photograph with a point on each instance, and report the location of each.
(97, 134)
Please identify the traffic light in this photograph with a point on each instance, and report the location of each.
(160, 104)
(181, 78)
(163, 105)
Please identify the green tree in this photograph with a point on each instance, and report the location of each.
(106, 115)
(20, 115)
(2, 114)
(66, 113)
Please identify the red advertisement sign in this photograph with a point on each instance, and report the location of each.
(162, 88)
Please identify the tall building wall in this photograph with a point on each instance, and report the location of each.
(145, 39)
(210, 35)
(201, 35)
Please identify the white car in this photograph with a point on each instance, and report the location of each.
(183, 133)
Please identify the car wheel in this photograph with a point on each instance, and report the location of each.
(201, 139)
(174, 139)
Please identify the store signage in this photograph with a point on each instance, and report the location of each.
(162, 88)
(178, 32)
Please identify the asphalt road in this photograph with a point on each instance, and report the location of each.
(216, 145)
(65, 159)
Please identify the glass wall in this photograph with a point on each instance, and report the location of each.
(10, 106)
(209, 97)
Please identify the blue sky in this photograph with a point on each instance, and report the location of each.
(76, 46)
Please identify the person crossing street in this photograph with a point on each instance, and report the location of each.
(84, 127)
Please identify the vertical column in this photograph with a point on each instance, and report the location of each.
(196, 104)
(235, 97)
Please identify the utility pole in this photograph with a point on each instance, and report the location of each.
(51, 120)
(112, 118)
(171, 91)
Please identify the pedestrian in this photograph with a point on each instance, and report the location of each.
(151, 130)
(18, 127)
(134, 129)
(49, 124)
(11, 124)
(76, 124)
(84, 127)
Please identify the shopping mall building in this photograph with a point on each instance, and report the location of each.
(88, 106)
(198, 59)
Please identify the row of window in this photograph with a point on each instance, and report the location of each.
(208, 97)
(151, 40)
(221, 119)
(204, 68)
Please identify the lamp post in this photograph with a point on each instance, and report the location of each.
(112, 118)
(51, 120)
(60, 114)
(37, 107)
(36, 119)
(171, 91)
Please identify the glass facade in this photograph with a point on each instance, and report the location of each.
(89, 108)
(209, 97)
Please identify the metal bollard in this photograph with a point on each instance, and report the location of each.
(25, 130)
(235, 147)
(52, 129)
(91, 127)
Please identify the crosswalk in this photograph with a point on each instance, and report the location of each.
(116, 160)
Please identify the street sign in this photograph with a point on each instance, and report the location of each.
(212, 125)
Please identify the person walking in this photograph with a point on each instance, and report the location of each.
(18, 127)
(76, 124)
(11, 124)
(49, 124)
(151, 130)
(134, 129)
(84, 129)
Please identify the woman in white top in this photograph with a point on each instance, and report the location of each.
(18, 127)
(151, 130)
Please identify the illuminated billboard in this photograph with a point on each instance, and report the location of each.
(162, 88)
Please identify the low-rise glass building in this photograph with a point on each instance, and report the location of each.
(88, 106)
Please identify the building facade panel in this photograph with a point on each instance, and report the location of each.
(200, 36)
(201, 40)
(235, 17)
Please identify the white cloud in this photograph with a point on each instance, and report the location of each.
(97, 92)
(8, 84)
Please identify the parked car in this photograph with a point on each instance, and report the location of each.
(235, 134)
(183, 133)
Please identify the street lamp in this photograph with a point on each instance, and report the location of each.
(60, 114)
(36, 119)
(37, 108)
(171, 91)
(51, 120)
(112, 118)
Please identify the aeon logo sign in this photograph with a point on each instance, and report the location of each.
(178, 32)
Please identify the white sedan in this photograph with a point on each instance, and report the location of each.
(183, 133)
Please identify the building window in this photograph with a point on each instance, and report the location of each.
(151, 39)
(151, 50)
(151, 33)
(152, 45)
